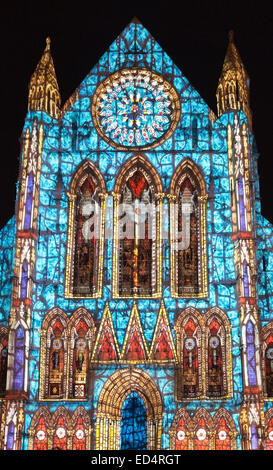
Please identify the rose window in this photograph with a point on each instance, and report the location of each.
(136, 109)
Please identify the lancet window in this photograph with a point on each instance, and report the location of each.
(188, 232)
(137, 250)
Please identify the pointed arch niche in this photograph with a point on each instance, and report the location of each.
(189, 338)
(81, 336)
(137, 230)
(111, 400)
(84, 257)
(188, 232)
(53, 363)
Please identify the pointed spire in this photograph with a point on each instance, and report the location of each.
(233, 86)
(44, 92)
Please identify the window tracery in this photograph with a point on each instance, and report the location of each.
(137, 225)
(267, 360)
(85, 232)
(188, 232)
(81, 429)
(135, 108)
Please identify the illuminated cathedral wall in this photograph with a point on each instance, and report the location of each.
(154, 375)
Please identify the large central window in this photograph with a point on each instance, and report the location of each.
(137, 244)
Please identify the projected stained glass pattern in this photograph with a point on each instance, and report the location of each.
(135, 108)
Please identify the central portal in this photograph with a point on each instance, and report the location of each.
(133, 423)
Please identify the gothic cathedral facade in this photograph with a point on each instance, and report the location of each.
(135, 308)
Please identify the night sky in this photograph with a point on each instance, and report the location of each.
(193, 33)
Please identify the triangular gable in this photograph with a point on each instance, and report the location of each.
(162, 347)
(106, 345)
(134, 346)
(134, 47)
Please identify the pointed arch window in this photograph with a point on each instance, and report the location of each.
(40, 441)
(19, 359)
(137, 241)
(218, 354)
(188, 232)
(188, 330)
(60, 436)
(85, 233)
(269, 430)
(24, 280)
(201, 434)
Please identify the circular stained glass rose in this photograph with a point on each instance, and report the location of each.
(136, 109)
(222, 435)
(40, 435)
(214, 342)
(181, 435)
(60, 432)
(269, 353)
(189, 344)
(201, 434)
(79, 434)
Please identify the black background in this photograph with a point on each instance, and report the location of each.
(193, 33)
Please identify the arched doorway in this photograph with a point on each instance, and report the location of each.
(129, 398)
(133, 426)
